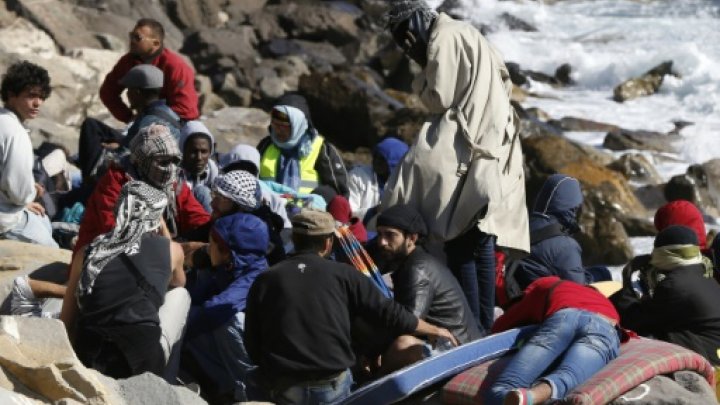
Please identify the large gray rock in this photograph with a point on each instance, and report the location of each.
(636, 167)
(40, 262)
(216, 51)
(235, 125)
(194, 14)
(327, 21)
(623, 139)
(349, 108)
(38, 365)
(58, 19)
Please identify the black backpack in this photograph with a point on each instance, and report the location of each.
(512, 287)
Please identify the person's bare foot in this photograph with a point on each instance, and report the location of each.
(518, 397)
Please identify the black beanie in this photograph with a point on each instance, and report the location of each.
(676, 235)
(403, 217)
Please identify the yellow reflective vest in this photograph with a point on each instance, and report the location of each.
(309, 178)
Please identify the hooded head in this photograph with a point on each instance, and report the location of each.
(241, 157)
(197, 145)
(560, 197)
(387, 156)
(410, 22)
(245, 237)
(682, 212)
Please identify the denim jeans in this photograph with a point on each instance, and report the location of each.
(471, 258)
(222, 356)
(202, 194)
(32, 228)
(319, 393)
(566, 350)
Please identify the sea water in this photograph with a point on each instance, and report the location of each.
(607, 42)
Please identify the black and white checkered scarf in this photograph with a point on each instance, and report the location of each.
(138, 210)
(155, 142)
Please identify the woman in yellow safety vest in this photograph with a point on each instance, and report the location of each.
(295, 155)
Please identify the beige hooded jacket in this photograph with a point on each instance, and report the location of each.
(468, 156)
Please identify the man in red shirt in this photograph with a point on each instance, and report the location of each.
(146, 47)
(577, 333)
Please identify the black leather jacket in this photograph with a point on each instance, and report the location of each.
(428, 289)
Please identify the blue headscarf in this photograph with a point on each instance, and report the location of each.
(247, 237)
(392, 150)
(297, 147)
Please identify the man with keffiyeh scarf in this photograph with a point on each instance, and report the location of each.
(154, 157)
(112, 304)
(680, 304)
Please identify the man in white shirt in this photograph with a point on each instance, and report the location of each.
(24, 88)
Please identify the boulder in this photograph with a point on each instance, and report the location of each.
(216, 51)
(347, 109)
(645, 85)
(38, 365)
(235, 125)
(58, 20)
(637, 226)
(113, 26)
(583, 125)
(194, 14)
(333, 22)
(266, 26)
(623, 139)
(20, 259)
(608, 195)
(238, 9)
(651, 196)
(636, 167)
(45, 130)
(319, 56)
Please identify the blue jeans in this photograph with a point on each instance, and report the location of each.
(32, 228)
(319, 393)
(222, 356)
(471, 258)
(566, 350)
(202, 194)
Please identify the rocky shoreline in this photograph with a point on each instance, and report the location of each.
(357, 82)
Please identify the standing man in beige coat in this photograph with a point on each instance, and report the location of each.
(465, 171)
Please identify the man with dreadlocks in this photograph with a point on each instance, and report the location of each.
(465, 172)
(114, 296)
(154, 155)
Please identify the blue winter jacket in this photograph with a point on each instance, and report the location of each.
(558, 202)
(218, 298)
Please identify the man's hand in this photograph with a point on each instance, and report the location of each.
(37, 208)
(434, 333)
(39, 189)
(110, 145)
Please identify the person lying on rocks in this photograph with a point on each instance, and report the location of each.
(295, 154)
(421, 284)
(147, 47)
(246, 157)
(232, 193)
(577, 337)
(238, 245)
(24, 88)
(197, 169)
(153, 158)
(366, 183)
(124, 307)
(99, 144)
(679, 304)
(553, 250)
(298, 317)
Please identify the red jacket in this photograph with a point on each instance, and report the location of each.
(535, 306)
(178, 89)
(99, 215)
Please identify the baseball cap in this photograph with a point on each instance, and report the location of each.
(314, 223)
(143, 77)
